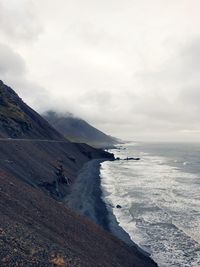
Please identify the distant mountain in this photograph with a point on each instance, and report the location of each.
(78, 130)
(17, 120)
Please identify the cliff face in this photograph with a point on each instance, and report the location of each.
(17, 120)
(78, 130)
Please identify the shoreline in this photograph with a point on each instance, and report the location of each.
(85, 194)
(86, 198)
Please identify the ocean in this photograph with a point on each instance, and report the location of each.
(159, 197)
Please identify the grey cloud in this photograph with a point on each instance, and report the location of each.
(190, 55)
(85, 31)
(14, 72)
(97, 98)
(191, 96)
(18, 20)
(172, 89)
(11, 63)
(130, 68)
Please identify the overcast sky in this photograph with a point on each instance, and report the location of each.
(131, 67)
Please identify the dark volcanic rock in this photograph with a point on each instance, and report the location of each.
(17, 120)
(132, 158)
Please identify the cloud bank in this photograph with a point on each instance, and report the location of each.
(130, 68)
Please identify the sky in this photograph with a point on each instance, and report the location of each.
(130, 68)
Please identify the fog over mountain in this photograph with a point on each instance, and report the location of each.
(131, 68)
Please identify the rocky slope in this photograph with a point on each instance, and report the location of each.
(33, 151)
(17, 120)
(39, 162)
(78, 130)
(37, 168)
(37, 231)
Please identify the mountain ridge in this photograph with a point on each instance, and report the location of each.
(78, 130)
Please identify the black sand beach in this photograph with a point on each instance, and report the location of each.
(86, 198)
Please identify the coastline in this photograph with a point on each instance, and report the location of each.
(85, 197)
(85, 194)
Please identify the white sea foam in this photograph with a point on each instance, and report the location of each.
(160, 206)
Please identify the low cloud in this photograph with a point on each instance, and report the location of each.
(11, 63)
(131, 68)
(14, 72)
(18, 20)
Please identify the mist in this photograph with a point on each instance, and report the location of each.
(130, 68)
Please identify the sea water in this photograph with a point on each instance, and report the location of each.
(159, 197)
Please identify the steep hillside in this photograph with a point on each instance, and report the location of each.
(33, 151)
(17, 120)
(37, 162)
(78, 130)
(37, 231)
(38, 167)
